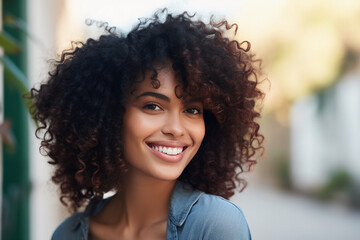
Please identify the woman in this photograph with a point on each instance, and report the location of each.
(165, 117)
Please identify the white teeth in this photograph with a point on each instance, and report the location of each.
(168, 150)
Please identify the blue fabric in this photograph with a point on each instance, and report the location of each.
(193, 215)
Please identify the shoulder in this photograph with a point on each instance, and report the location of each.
(218, 218)
(76, 226)
(69, 228)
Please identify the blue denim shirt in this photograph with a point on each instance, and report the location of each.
(193, 215)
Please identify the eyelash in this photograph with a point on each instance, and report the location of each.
(194, 109)
(153, 106)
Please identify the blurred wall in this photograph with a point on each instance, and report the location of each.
(46, 211)
(325, 133)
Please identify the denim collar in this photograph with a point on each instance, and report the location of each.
(82, 218)
(182, 200)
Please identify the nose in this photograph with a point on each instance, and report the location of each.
(173, 126)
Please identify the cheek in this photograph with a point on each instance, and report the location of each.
(131, 134)
(198, 133)
(135, 130)
(137, 125)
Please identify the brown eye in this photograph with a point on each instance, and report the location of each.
(152, 107)
(194, 111)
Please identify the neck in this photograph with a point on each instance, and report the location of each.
(140, 207)
(145, 200)
(148, 199)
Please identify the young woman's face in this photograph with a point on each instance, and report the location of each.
(161, 133)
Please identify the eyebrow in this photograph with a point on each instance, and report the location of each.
(153, 94)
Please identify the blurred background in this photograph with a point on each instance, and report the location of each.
(307, 183)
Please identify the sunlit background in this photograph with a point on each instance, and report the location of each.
(307, 183)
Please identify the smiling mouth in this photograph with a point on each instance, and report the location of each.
(168, 150)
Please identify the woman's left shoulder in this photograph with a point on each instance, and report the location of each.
(219, 208)
(218, 218)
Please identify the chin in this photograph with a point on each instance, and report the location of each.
(166, 174)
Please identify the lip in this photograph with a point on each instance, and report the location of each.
(168, 143)
(164, 156)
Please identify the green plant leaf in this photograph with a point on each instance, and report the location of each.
(16, 78)
(12, 21)
(19, 24)
(9, 44)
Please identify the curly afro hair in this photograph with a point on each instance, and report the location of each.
(80, 107)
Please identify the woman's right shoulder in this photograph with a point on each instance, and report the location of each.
(70, 228)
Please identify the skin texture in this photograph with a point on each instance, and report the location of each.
(139, 211)
(168, 122)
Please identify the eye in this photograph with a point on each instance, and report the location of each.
(194, 111)
(152, 107)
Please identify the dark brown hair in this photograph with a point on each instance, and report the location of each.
(80, 107)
